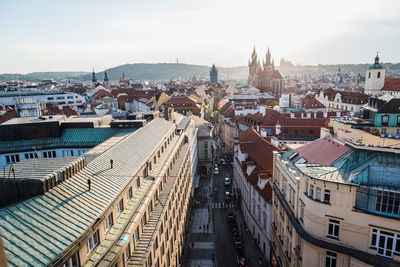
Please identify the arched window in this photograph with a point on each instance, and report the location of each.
(379, 74)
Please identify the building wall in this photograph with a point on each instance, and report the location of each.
(315, 216)
(10, 158)
(257, 212)
(372, 82)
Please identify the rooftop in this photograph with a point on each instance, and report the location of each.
(28, 120)
(62, 216)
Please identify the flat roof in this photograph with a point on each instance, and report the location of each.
(27, 120)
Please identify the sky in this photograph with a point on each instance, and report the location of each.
(74, 35)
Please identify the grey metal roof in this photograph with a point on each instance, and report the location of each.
(39, 229)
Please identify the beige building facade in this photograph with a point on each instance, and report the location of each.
(343, 211)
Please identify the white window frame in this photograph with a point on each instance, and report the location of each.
(93, 241)
(318, 194)
(108, 222)
(130, 193)
(385, 235)
(332, 258)
(335, 224)
(120, 206)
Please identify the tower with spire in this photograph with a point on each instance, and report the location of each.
(268, 64)
(213, 75)
(106, 80)
(94, 80)
(375, 77)
(254, 67)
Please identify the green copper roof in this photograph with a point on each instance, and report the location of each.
(375, 67)
(70, 138)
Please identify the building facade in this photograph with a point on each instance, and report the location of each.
(252, 169)
(334, 205)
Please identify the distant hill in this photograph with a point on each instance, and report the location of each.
(166, 71)
(38, 76)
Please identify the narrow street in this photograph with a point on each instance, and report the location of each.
(215, 245)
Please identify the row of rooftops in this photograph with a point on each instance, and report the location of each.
(331, 160)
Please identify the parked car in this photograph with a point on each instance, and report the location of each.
(216, 171)
(227, 181)
(223, 161)
(227, 195)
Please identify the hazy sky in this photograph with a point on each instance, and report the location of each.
(75, 35)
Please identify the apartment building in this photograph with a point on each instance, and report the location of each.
(336, 205)
(252, 170)
(124, 203)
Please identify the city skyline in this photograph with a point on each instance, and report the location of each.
(75, 36)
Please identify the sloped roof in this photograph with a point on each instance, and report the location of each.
(323, 151)
(258, 149)
(393, 106)
(310, 102)
(391, 84)
(39, 229)
(204, 130)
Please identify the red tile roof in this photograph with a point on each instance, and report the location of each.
(324, 151)
(66, 110)
(8, 115)
(100, 94)
(258, 149)
(391, 84)
(310, 102)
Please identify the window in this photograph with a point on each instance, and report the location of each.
(379, 75)
(93, 241)
(138, 182)
(283, 187)
(155, 160)
(330, 260)
(127, 252)
(151, 206)
(301, 211)
(137, 234)
(385, 243)
(50, 98)
(108, 222)
(385, 120)
(311, 194)
(369, 74)
(387, 201)
(318, 197)
(120, 207)
(291, 197)
(333, 228)
(73, 261)
(398, 120)
(327, 196)
(130, 194)
(144, 220)
(383, 131)
(158, 154)
(12, 158)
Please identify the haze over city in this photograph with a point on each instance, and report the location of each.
(77, 35)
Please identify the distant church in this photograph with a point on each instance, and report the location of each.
(376, 82)
(265, 78)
